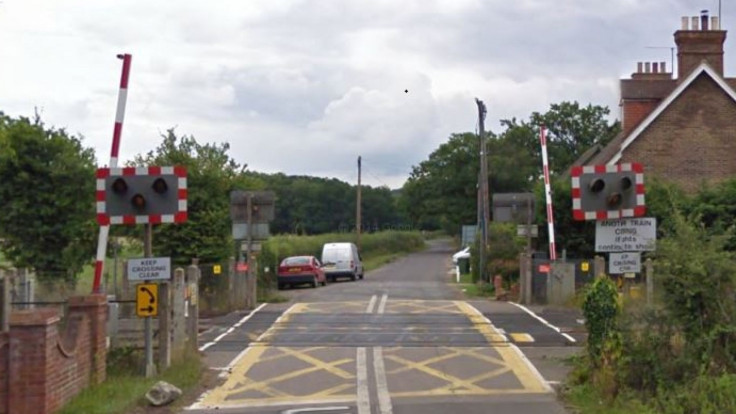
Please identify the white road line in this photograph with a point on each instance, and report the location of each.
(234, 362)
(260, 337)
(516, 349)
(532, 368)
(371, 304)
(313, 409)
(384, 398)
(382, 305)
(549, 325)
(364, 402)
(276, 322)
(232, 328)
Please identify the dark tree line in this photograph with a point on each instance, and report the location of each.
(312, 205)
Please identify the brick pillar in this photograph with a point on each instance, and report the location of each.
(33, 338)
(4, 368)
(95, 307)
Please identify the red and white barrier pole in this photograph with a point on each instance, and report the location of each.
(548, 195)
(117, 133)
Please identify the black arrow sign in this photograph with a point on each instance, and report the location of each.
(149, 309)
(151, 296)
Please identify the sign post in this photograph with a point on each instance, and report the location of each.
(250, 211)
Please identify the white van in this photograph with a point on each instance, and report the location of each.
(341, 260)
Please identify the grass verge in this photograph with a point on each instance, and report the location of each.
(474, 290)
(124, 390)
(585, 398)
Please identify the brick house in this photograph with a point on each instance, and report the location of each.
(682, 129)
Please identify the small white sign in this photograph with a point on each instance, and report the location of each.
(523, 230)
(626, 235)
(621, 263)
(149, 268)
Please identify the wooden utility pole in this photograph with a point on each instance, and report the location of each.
(485, 197)
(357, 209)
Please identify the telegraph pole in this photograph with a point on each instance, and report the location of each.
(485, 198)
(357, 209)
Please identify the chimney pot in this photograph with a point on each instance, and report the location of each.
(655, 67)
(714, 23)
(639, 66)
(662, 67)
(704, 20)
(694, 23)
(685, 22)
(647, 67)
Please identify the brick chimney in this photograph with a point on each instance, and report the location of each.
(643, 92)
(699, 40)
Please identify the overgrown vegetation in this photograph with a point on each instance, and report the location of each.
(678, 356)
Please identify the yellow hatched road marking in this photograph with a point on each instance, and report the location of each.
(239, 382)
(319, 364)
(529, 380)
(521, 337)
(422, 306)
(356, 306)
(263, 386)
(219, 394)
(435, 393)
(455, 382)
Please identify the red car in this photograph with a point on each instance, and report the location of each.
(296, 270)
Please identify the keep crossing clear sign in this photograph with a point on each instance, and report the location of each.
(626, 235)
(149, 268)
(620, 263)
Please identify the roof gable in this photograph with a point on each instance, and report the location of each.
(702, 68)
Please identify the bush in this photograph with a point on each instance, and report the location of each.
(679, 355)
(705, 395)
(601, 310)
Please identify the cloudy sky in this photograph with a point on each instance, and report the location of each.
(305, 86)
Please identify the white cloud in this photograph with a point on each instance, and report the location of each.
(305, 86)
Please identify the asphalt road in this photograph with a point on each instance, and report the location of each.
(402, 340)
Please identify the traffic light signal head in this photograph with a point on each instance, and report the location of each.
(604, 192)
(141, 195)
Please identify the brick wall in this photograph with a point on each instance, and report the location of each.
(48, 366)
(693, 140)
(635, 112)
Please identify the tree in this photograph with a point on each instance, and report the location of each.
(379, 210)
(47, 196)
(211, 175)
(312, 205)
(441, 192)
(571, 130)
